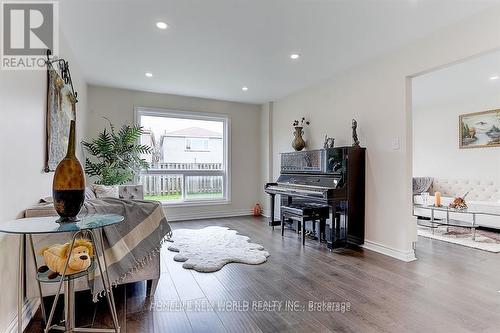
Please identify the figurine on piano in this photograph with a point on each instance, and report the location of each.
(329, 142)
(355, 140)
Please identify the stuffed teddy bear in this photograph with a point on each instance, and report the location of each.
(55, 257)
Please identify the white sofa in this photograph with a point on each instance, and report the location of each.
(482, 194)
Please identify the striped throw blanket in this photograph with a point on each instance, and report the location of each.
(131, 244)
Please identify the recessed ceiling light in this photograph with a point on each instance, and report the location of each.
(294, 56)
(494, 77)
(148, 74)
(161, 25)
(244, 88)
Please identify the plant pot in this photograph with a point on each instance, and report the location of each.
(298, 142)
(68, 187)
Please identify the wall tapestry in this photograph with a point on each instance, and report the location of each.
(480, 129)
(61, 109)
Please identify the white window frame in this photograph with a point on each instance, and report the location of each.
(225, 173)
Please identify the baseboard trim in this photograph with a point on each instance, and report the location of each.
(267, 213)
(406, 256)
(208, 215)
(374, 246)
(29, 309)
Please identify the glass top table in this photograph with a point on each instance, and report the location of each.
(49, 225)
(472, 210)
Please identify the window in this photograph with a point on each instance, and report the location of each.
(189, 160)
(197, 144)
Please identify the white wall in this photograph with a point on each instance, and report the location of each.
(436, 150)
(266, 163)
(246, 186)
(378, 95)
(22, 149)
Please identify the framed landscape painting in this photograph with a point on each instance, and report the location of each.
(480, 129)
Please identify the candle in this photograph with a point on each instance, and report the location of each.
(437, 197)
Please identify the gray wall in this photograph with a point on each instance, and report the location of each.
(436, 151)
(22, 147)
(378, 95)
(246, 184)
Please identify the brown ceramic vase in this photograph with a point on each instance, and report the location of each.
(68, 188)
(298, 143)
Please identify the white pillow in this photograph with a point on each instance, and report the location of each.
(103, 191)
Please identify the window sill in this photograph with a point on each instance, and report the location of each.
(196, 203)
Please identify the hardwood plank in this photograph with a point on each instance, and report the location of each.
(450, 288)
(183, 279)
(103, 317)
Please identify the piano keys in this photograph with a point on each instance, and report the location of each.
(333, 176)
(286, 189)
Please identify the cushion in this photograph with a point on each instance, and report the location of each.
(421, 184)
(131, 192)
(104, 191)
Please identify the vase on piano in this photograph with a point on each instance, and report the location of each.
(298, 142)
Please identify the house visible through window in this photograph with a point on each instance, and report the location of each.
(189, 160)
(197, 144)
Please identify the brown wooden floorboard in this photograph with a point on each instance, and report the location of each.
(449, 289)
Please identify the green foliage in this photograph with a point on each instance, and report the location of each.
(116, 155)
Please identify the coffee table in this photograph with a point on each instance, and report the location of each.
(472, 210)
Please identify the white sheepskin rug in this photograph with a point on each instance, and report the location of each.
(210, 248)
(485, 240)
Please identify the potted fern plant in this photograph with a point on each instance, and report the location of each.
(116, 155)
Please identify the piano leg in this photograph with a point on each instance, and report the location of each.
(271, 218)
(333, 213)
(303, 230)
(282, 225)
(339, 227)
(322, 225)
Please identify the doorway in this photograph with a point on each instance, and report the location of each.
(456, 152)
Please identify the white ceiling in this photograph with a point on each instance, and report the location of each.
(214, 47)
(459, 83)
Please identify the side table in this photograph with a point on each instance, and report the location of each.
(87, 225)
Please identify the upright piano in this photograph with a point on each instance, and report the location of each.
(333, 176)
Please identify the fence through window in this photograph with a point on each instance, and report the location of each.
(188, 163)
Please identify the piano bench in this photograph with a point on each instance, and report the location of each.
(303, 213)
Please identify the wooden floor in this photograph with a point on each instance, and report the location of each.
(449, 289)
